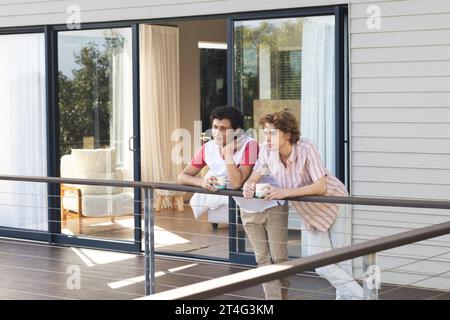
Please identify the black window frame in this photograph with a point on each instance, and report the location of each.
(340, 12)
(50, 31)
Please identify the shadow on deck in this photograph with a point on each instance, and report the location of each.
(31, 270)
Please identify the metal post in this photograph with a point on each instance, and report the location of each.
(149, 238)
(232, 230)
(372, 277)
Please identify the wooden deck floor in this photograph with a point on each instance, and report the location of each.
(176, 232)
(31, 270)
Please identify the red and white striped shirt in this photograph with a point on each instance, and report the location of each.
(304, 167)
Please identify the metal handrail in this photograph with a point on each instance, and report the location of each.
(387, 202)
(215, 287)
(221, 285)
(248, 278)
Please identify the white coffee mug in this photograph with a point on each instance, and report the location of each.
(221, 182)
(260, 190)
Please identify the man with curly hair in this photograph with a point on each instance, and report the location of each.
(296, 165)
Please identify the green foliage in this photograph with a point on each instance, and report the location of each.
(85, 99)
(280, 37)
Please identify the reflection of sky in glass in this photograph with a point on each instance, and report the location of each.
(257, 23)
(250, 51)
(71, 42)
(68, 47)
(250, 60)
(296, 61)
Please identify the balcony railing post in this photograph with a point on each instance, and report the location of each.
(149, 238)
(372, 276)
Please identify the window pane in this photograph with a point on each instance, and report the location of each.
(23, 130)
(288, 64)
(96, 124)
(213, 82)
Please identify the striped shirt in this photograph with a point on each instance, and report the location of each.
(304, 167)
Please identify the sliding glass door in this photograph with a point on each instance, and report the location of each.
(287, 64)
(23, 132)
(95, 105)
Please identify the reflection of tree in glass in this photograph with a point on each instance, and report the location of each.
(282, 38)
(85, 100)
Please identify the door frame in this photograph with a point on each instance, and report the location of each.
(50, 31)
(53, 141)
(237, 253)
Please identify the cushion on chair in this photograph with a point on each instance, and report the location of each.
(102, 205)
(89, 189)
(95, 160)
(68, 168)
(91, 164)
(219, 215)
(96, 200)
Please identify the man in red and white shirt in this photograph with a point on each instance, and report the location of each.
(265, 222)
(295, 164)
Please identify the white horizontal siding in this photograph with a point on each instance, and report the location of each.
(404, 23)
(401, 145)
(432, 250)
(406, 100)
(400, 190)
(400, 130)
(401, 69)
(415, 84)
(370, 231)
(402, 175)
(398, 115)
(15, 13)
(401, 39)
(399, 8)
(401, 54)
(413, 216)
(430, 274)
(400, 160)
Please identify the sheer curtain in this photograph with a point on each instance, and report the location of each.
(23, 130)
(318, 110)
(318, 97)
(121, 127)
(160, 105)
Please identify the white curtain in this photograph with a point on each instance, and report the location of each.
(318, 97)
(318, 111)
(23, 130)
(160, 105)
(121, 127)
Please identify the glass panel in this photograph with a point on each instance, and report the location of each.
(182, 77)
(23, 131)
(213, 82)
(96, 123)
(288, 64)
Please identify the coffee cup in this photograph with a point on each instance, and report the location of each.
(260, 190)
(221, 182)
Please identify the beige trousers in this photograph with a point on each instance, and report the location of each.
(267, 232)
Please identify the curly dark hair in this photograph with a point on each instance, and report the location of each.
(228, 112)
(283, 121)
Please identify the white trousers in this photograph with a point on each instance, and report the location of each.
(340, 276)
